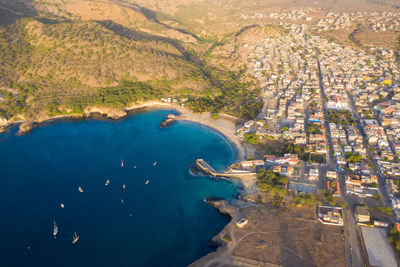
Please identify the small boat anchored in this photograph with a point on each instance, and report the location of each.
(75, 238)
(62, 205)
(80, 189)
(122, 163)
(55, 230)
(147, 182)
(123, 186)
(107, 182)
(155, 163)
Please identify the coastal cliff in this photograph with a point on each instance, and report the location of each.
(3, 124)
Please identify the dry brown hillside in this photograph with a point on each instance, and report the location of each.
(57, 52)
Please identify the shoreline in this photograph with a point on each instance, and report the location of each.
(224, 125)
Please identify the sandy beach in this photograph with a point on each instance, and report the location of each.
(225, 124)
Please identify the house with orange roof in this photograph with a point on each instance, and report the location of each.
(333, 187)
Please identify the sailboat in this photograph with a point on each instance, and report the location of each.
(147, 182)
(107, 182)
(80, 189)
(75, 238)
(122, 163)
(155, 163)
(123, 186)
(62, 205)
(55, 230)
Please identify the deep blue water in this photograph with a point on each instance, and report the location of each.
(163, 223)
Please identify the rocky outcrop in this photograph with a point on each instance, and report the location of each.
(171, 119)
(220, 204)
(108, 112)
(26, 127)
(3, 122)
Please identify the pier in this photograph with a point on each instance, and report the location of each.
(205, 167)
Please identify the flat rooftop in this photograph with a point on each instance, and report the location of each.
(362, 210)
(303, 187)
(380, 253)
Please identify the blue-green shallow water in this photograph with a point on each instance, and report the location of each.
(170, 224)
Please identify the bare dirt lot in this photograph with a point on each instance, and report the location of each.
(291, 238)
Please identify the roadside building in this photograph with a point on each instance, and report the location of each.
(252, 163)
(242, 223)
(330, 215)
(333, 187)
(378, 223)
(331, 175)
(379, 251)
(362, 214)
(313, 174)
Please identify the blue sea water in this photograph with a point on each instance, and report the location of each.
(163, 223)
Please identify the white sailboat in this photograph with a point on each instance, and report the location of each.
(55, 230)
(80, 189)
(75, 238)
(155, 163)
(62, 205)
(123, 186)
(122, 163)
(147, 182)
(107, 182)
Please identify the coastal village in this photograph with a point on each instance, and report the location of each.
(312, 17)
(335, 113)
(319, 166)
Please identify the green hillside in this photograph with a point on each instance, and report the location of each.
(58, 57)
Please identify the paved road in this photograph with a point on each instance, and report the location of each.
(354, 253)
(378, 173)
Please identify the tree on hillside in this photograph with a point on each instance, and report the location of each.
(250, 138)
(273, 183)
